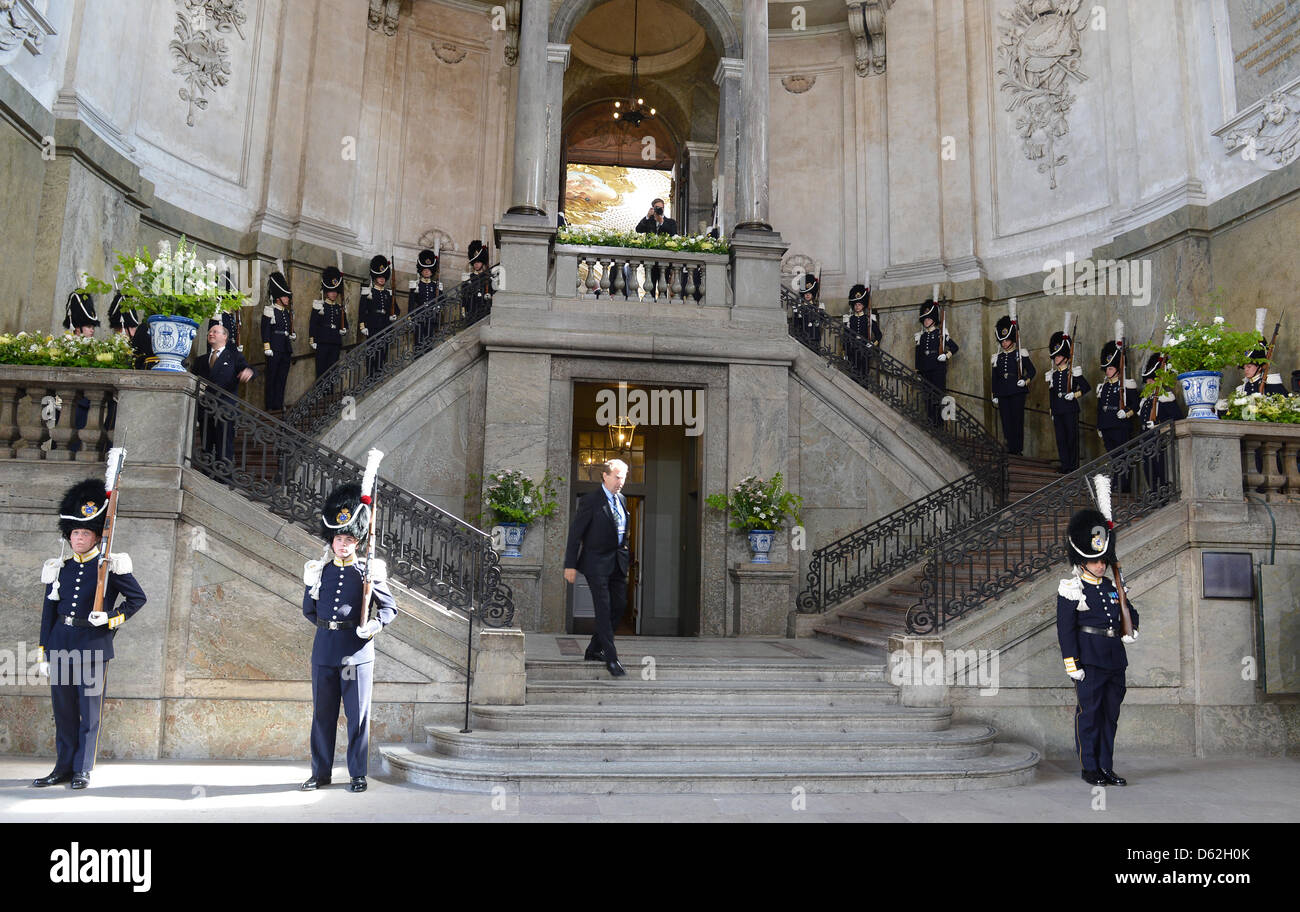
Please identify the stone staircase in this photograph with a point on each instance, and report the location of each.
(739, 726)
(882, 613)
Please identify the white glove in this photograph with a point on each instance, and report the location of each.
(943, 357)
(98, 618)
(1077, 675)
(313, 345)
(995, 400)
(392, 317)
(1121, 414)
(44, 669)
(268, 354)
(1130, 638)
(1020, 383)
(1148, 425)
(365, 331)
(1069, 395)
(293, 337)
(369, 628)
(1078, 370)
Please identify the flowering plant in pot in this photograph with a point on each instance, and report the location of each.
(760, 508)
(516, 500)
(1196, 352)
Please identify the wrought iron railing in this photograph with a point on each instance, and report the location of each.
(1028, 538)
(278, 467)
(861, 560)
(379, 357)
(902, 388)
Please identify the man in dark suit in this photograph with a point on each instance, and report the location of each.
(225, 367)
(599, 531)
(655, 222)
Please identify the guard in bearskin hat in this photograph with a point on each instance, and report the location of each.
(1012, 371)
(378, 309)
(79, 313)
(1253, 379)
(863, 327)
(1157, 408)
(806, 315)
(76, 641)
(933, 348)
(329, 320)
(1090, 630)
(1117, 403)
(122, 321)
(425, 292)
(476, 290)
(343, 653)
(1066, 385)
(277, 338)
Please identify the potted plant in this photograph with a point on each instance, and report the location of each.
(1196, 353)
(66, 350)
(175, 291)
(1278, 408)
(515, 501)
(760, 508)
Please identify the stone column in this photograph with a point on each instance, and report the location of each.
(557, 61)
(727, 77)
(752, 174)
(526, 196)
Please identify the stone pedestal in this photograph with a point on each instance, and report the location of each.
(916, 665)
(525, 244)
(524, 577)
(756, 276)
(1209, 468)
(762, 595)
(499, 668)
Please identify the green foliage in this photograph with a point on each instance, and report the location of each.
(1207, 344)
(758, 504)
(602, 237)
(514, 497)
(173, 284)
(1277, 408)
(66, 351)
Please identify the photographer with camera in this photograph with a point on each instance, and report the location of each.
(655, 222)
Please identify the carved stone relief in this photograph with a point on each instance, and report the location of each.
(383, 14)
(1271, 135)
(512, 32)
(448, 52)
(867, 25)
(797, 85)
(203, 57)
(1040, 52)
(21, 25)
(436, 237)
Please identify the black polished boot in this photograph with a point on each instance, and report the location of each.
(54, 778)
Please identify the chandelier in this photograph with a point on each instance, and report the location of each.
(632, 109)
(621, 433)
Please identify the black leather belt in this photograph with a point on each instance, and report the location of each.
(1108, 632)
(335, 625)
(70, 621)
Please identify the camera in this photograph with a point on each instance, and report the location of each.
(659, 210)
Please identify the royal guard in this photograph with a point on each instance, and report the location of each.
(79, 314)
(1093, 622)
(88, 596)
(1253, 373)
(933, 348)
(806, 316)
(477, 290)
(1117, 399)
(277, 339)
(1066, 385)
(1157, 409)
(329, 320)
(343, 653)
(1012, 371)
(425, 292)
(122, 321)
(378, 309)
(863, 327)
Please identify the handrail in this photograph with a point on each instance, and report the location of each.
(369, 364)
(1027, 538)
(289, 473)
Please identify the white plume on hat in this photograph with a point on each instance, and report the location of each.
(1066, 328)
(1101, 487)
(1261, 316)
(1119, 330)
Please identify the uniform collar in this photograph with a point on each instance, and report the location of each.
(87, 557)
(1114, 379)
(1089, 578)
(347, 563)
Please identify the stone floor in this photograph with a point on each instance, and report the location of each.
(1163, 789)
(722, 650)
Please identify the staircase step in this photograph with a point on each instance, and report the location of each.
(1005, 765)
(632, 690)
(843, 633)
(962, 741)
(664, 717)
(701, 670)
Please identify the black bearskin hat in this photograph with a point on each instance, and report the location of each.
(82, 507)
(277, 286)
(929, 309)
(427, 260)
(1155, 361)
(478, 253)
(1110, 354)
(345, 514)
(1004, 328)
(811, 285)
(380, 268)
(1260, 350)
(79, 311)
(858, 293)
(115, 311)
(1060, 345)
(1090, 538)
(331, 279)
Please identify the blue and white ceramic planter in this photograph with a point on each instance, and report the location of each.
(760, 544)
(172, 338)
(514, 537)
(1201, 392)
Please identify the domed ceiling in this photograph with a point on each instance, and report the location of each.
(667, 38)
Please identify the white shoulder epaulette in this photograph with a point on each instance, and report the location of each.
(120, 563)
(410, 285)
(1024, 353)
(318, 305)
(994, 361)
(1072, 588)
(917, 337)
(50, 570)
(1167, 397)
(268, 311)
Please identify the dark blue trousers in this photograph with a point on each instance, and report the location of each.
(277, 376)
(78, 698)
(1011, 409)
(326, 357)
(1096, 716)
(1114, 438)
(351, 685)
(609, 601)
(1067, 440)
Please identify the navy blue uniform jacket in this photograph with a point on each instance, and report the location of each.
(1060, 385)
(337, 597)
(1100, 609)
(1008, 367)
(75, 597)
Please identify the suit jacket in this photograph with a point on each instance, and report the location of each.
(225, 373)
(1096, 605)
(648, 225)
(593, 547)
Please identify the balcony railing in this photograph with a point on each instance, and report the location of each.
(57, 414)
(625, 274)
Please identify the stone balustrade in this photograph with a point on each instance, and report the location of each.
(626, 274)
(58, 414)
(1270, 461)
